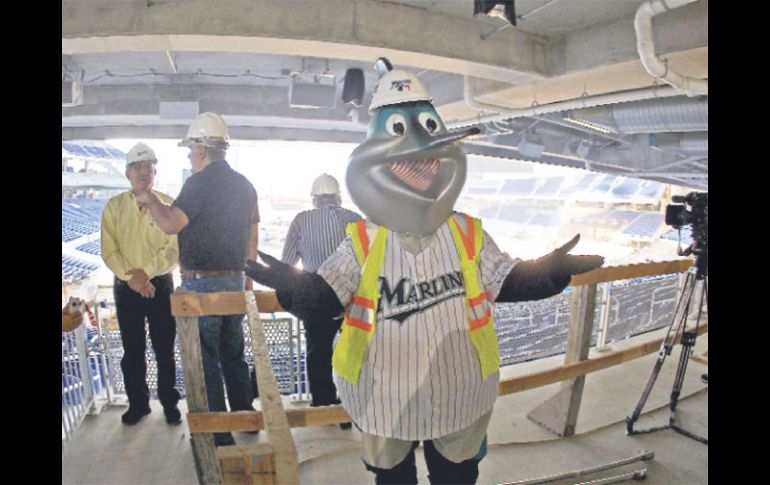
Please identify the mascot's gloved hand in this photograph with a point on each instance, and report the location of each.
(561, 265)
(547, 275)
(273, 274)
(304, 294)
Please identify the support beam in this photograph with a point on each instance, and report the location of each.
(344, 29)
(285, 453)
(204, 453)
(559, 414)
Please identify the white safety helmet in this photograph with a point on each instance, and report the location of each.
(398, 86)
(325, 184)
(208, 129)
(139, 153)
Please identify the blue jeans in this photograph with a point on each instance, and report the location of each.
(222, 350)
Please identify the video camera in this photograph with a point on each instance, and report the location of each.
(692, 209)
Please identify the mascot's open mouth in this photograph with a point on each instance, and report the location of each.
(417, 174)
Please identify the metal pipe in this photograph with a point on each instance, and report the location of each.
(566, 105)
(645, 45)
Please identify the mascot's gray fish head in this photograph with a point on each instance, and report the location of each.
(409, 171)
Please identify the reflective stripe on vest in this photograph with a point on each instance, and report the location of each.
(361, 317)
(360, 320)
(481, 322)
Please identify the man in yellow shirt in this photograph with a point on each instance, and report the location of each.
(142, 257)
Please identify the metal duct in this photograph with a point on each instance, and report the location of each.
(695, 143)
(660, 116)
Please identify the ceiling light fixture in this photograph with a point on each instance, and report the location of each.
(503, 9)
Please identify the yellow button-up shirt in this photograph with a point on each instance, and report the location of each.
(131, 238)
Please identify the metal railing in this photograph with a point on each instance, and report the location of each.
(526, 331)
(285, 339)
(83, 380)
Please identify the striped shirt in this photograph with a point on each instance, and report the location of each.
(421, 377)
(315, 234)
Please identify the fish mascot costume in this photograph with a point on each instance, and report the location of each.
(417, 359)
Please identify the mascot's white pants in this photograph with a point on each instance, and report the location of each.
(459, 446)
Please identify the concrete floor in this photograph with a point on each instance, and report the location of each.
(103, 451)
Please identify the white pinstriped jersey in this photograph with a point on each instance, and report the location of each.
(421, 377)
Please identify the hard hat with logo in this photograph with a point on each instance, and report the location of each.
(140, 153)
(396, 87)
(325, 184)
(208, 129)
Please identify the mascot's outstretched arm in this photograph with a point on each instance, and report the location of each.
(546, 276)
(303, 294)
(307, 295)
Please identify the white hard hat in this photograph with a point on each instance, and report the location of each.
(207, 129)
(139, 153)
(325, 184)
(398, 86)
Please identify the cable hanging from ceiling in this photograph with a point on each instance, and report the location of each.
(199, 72)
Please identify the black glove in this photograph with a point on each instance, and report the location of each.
(547, 275)
(561, 266)
(273, 274)
(304, 294)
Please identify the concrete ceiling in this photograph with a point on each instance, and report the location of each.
(238, 58)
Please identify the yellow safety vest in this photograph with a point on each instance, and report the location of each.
(361, 317)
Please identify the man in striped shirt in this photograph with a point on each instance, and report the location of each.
(313, 236)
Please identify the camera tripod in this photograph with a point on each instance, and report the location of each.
(678, 325)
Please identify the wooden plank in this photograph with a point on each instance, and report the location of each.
(560, 412)
(195, 394)
(612, 273)
(323, 415)
(247, 464)
(249, 420)
(233, 303)
(569, 371)
(191, 304)
(279, 431)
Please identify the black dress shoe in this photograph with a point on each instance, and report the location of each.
(224, 439)
(134, 414)
(173, 416)
(346, 425)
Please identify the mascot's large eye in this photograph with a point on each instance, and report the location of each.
(396, 124)
(428, 121)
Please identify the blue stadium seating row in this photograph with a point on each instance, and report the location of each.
(591, 184)
(646, 225)
(74, 269)
(524, 215)
(622, 216)
(93, 247)
(673, 235)
(550, 187)
(80, 217)
(84, 150)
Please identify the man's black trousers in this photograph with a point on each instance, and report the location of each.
(320, 338)
(132, 309)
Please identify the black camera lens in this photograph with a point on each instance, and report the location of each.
(677, 216)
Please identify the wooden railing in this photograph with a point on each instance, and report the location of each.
(276, 462)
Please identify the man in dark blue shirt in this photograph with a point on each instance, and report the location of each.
(313, 236)
(216, 217)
